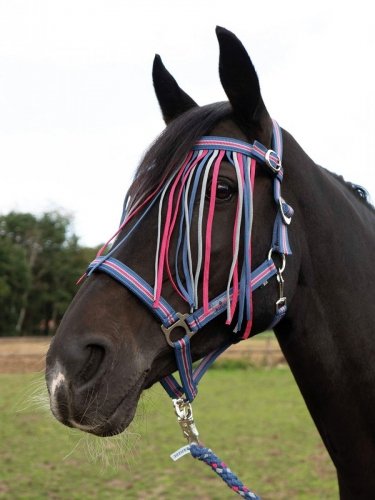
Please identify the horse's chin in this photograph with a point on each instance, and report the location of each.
(122, 417)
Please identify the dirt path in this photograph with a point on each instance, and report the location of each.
(27, 354)
(23, 354)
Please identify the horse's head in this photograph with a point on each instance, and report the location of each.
(189, 215)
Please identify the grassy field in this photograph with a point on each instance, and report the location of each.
(254, 419)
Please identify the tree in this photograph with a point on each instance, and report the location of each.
(40, 263)
(15, 281)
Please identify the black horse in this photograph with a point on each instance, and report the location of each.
(109, 339)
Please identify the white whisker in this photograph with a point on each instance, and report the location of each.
(34, 397)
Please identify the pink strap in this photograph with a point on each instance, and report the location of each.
(235, 295)
(210, 217)
(177, 206)
(134, 211)
(249, 323)
(164, 242)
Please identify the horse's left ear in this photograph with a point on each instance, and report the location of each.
(241, 84)
(172, 99)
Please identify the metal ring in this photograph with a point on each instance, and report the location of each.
(180, 323)
(283, 262)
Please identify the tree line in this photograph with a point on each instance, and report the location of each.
(40, 262)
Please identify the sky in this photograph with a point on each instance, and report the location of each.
(77, 107)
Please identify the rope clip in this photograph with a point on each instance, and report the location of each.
(184, 413)
(281, 302)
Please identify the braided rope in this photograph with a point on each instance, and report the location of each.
(208, 456)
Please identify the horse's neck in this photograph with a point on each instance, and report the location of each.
(335, 239)
(328, 336)
(334, 232)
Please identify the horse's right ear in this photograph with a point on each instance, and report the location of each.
(172, 99)
(240, 82)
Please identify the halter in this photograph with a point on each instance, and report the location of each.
(207, 155)
(181, 191)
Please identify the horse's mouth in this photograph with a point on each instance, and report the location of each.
(96, 421)
(125, 411)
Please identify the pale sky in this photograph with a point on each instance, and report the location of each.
(77, 107)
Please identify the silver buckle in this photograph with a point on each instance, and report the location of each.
(285, 218)
(268, 161)
(180, 323)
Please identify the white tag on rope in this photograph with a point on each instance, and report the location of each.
(180, 452)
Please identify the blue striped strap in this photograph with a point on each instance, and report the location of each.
(172, 387)
(217, 306)
(165, 312)
(137, 285)
(175, 390)
(280, 238)
(198, 319)
(185, 368)
(280, 313)
(255, 150)
(168, 317)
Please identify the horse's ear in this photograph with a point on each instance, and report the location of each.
(172, 99)
(240, 82)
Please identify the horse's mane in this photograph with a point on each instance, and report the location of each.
(173, 144)
(359, 192)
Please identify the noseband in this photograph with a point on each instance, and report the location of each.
(193, 321)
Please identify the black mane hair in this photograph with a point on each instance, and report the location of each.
(170, 148)
(172, 145)
(358, 191)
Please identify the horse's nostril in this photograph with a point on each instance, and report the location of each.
(94, 360)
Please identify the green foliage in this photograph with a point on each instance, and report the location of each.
(255, 420)
(40, 262)
(15, 282)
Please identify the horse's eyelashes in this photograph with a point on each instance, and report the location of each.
(224, 190)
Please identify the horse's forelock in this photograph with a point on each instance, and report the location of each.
(171, 147)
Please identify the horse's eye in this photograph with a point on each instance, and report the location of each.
(224, 191)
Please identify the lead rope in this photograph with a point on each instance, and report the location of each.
(185, 418)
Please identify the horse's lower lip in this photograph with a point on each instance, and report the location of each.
(122, 416)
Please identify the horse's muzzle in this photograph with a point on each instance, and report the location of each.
(83, 394)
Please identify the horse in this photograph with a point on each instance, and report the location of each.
(193, 250)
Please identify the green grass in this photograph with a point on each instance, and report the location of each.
(254, 419)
